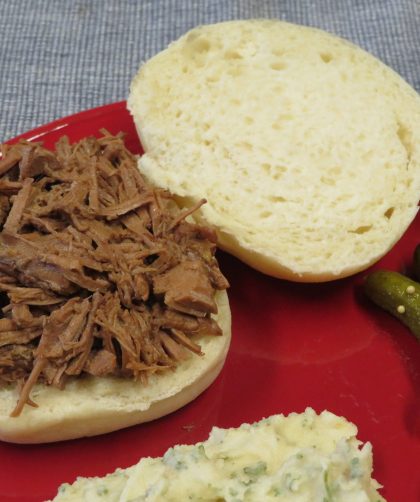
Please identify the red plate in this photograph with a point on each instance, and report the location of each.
(294, 345)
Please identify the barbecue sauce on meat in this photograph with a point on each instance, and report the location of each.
(100, 273)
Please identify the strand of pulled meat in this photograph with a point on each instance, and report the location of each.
(20, 201)
(27, 387)
(100, 273)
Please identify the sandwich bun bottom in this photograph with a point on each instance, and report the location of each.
(92, 405)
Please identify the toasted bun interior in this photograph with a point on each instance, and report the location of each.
(93, 405)
(304, 145)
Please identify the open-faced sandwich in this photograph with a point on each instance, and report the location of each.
(114, 310)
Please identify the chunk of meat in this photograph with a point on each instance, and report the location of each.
(31, 296)
(101, 363)
(187, 288)
(10, 160)
(23, 318)
(22, 259)
(190, 325)
(16, 362)
(19, 336)
(35, 266)
(35, 161)
(62, 329)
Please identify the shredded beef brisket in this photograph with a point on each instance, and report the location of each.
(100, 273)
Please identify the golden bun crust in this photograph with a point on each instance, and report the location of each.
(92, 406)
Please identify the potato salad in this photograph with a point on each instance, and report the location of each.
(298, 458)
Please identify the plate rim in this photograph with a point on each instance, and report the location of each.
(39, 132)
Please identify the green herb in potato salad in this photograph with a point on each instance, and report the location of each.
(299, 458)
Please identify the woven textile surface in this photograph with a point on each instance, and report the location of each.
(61, 56)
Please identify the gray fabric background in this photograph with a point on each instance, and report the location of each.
(58, 57)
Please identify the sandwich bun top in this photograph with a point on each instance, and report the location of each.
(304, 145)
(90, 406)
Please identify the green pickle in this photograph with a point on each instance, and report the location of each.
(396, 294)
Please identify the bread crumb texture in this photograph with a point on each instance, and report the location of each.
(303, 144)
